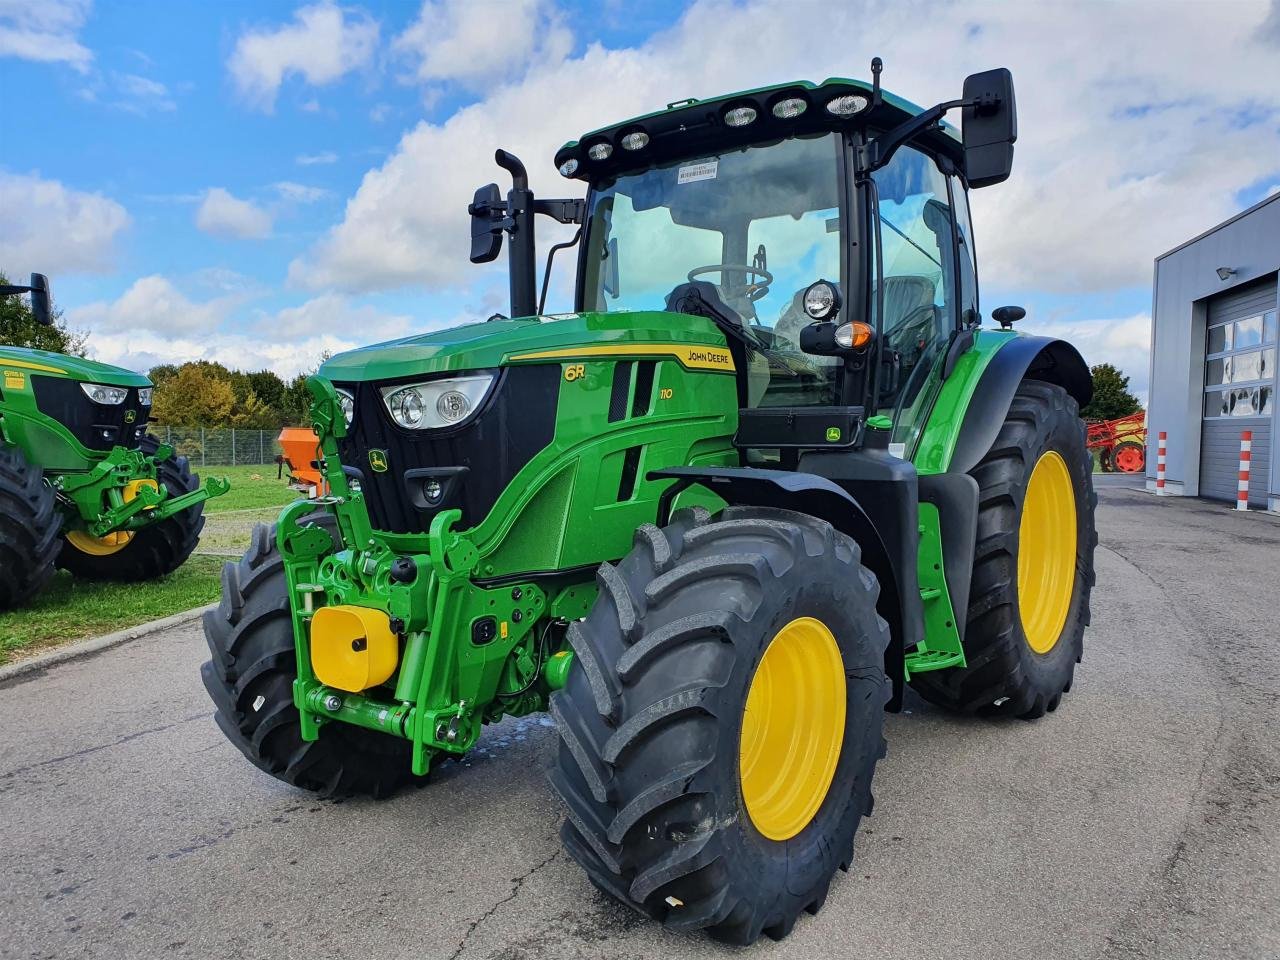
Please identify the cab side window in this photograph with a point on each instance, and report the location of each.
(919, 284)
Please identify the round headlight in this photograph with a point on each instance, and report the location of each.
(740, 116)
(635, 141)
(600, 151)
(348, 404)
(821, 300)
(452, 406)
(569, 167)
(847, 105)
(790, 107)
(406, 408)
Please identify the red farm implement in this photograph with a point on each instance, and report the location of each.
(1121, 444)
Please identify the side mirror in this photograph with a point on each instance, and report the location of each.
(40, 301)
(487, 213)
(989, 127)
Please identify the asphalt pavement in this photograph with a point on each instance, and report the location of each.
(1142, 819)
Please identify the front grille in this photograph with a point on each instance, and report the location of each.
(515, 423)
(98, 426)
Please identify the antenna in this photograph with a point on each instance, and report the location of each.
(876, 66)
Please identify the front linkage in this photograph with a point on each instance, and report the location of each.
(122, 492)
(408, 644)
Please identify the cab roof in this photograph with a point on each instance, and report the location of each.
(690, 128)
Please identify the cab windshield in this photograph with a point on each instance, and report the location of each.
(761, 224)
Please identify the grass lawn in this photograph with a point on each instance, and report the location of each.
(74, 609)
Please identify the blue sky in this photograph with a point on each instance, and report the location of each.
(257, 182)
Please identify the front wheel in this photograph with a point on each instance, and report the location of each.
(723, 720)
(1033, 565)
(29, 525)
(134, 556)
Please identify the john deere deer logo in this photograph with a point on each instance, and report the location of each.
(130, 416)
(378, 461)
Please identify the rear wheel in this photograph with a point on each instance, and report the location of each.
(722, 723)
(250, 679)
(29, 526)
(138, 555)
(1129, 457)
(1033, 568)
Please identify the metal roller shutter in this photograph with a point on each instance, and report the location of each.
(1240, 389)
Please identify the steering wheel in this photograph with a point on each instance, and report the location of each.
(754, 290)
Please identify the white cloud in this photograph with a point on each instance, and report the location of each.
(380, 112)
(223, 215)
(1124, 150)
(481, 44)
(154, 322)
(300, 192)
(153, 304)
(45, 31)
(50, 228)
(324, 43)
(142, 95)
(313, 159)
(334, 311)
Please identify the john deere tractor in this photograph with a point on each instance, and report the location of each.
(82, 484)
(769, 471)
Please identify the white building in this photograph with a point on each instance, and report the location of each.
(1214, 332)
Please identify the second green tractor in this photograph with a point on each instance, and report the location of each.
(770, 470)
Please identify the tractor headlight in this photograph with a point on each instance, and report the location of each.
(436, 403)
(101, 393)
(821, 300)
(847, 105)
(144, 396)
(348, 404)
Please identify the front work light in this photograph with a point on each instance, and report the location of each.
(821, 300)
(600, 151)
(790, 108)
(847, 105)
(101, 393)
(569, 167)
(740, 116)
(637, 140)
(436, 403)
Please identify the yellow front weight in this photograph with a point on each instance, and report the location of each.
(352, 648)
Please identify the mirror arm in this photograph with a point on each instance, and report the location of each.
(563, 211)
(551, 255)
(874, 155)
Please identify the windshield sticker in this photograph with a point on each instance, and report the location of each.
(703, 170)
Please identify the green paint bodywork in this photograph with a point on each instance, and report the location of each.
(92, 485)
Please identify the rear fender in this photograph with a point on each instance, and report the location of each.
(1022, 358)
(819, 497)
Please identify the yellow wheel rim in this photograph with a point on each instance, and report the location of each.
(1047, 552)
(792, 728)
(99, 546)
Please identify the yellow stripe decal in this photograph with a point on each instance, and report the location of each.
(692, 357)
(6, 362)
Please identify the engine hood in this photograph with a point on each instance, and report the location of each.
(496, 343)
(42, 362)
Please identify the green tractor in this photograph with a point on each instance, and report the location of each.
(83, 486)
(771, 470)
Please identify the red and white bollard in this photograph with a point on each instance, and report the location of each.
(1246, 454)
(1160, 465)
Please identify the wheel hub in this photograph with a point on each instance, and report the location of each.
(1046, 552)
(792, 728)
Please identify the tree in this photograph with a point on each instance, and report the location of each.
(18, 328)
(193, 397)
(1111, 396)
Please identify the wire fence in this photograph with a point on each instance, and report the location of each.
(220, 446)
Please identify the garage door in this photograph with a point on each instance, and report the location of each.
(1240, 389)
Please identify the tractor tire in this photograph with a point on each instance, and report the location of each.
(1024, 635)
(681, 804)
(250, 679)
(1129, 457)
(146, 554)
(29, 528)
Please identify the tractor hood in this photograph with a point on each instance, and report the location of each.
(73, 368)
(496, 343)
